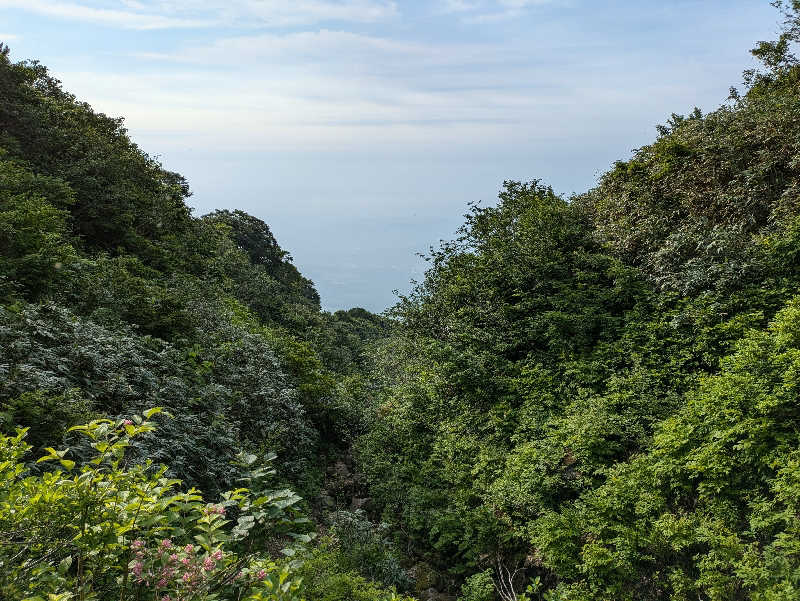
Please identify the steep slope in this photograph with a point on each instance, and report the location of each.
(586, 396)
(114, 299)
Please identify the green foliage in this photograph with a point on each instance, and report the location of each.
(709, 509)
(585, 398)
(363, 547)
(478, 587)
(522, 408)
(255, 238)
(124, 200)
(102, 530)
(115, 299)
(326, 578)
(122, 290)
(34, 245)
(496, 342)
(229, 393)
(49, 415)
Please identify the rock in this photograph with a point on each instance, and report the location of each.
(341, 469)
(359, 503)
(425, 578)
(432, 594)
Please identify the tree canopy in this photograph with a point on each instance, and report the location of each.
(585, 398)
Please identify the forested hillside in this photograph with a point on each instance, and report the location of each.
(598, 397)
(116, 300)
(586, 398)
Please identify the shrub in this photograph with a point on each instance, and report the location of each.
(327, 576)
(104, 530)
(478, 587)
(364, 547)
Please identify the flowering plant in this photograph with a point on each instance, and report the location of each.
(108, 530)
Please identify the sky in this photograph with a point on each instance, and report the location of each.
(360, 130)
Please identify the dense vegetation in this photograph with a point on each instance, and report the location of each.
(116, 300)
(598, 397)
(584, 399)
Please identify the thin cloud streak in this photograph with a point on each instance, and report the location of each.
(343, 52)
(200, 14)
(477, 12)
(457, 6)
(104, 16)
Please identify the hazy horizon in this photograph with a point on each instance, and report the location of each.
(359, 130)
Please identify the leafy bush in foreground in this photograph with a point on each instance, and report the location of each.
(104, 530)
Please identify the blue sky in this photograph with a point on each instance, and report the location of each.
(360, 129)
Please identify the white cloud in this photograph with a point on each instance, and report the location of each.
(173, 14)
(523, 3)
(337, 90)
(489, 11)
(493, 17)
(8, 37)
(296, 12)
(458, 6)
(106, 16)
(329, 51)
(334, 89)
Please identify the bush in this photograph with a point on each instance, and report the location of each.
(103, 530)
(327, 577)
(478, 587)
(365, 548)
(229, 390)
(34, 245)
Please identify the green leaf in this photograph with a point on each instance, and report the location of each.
(64, 565)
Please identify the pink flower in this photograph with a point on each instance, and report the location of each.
(162, 583)
(261, 574)
(127, 422)
(187, 577)
(173, 557)
(208, 564)
(189, 548)
(137, 544)
(217, 555)
(166, 598)
(185, 561)
(166, 543)
(137, 570)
